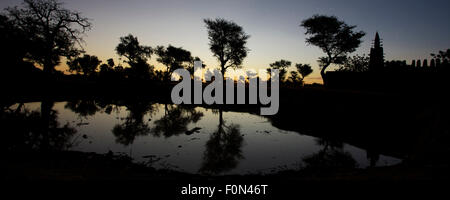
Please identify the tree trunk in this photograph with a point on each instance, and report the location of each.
(48, 66)
(47, 69)
(323, 74)
(220, 117)
(46, 109)
(220, 130)
(222, 69)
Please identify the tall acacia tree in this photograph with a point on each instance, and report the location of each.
(227, 42)
(334, 37)
(53, 30)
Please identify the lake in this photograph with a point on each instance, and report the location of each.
(193, 139)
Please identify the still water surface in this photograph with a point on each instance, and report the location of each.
(194, 140)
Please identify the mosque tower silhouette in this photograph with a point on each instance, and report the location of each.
(376, 62)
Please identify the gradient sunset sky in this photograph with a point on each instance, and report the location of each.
(410, 29)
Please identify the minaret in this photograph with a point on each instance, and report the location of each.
(376, 62)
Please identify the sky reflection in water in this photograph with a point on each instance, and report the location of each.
(194, 140)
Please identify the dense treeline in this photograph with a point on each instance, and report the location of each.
(40, 35)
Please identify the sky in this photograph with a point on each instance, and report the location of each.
(410, 29)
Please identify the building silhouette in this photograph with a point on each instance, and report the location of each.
(376, 62)
(393, 75)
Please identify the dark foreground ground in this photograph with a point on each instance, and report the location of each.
(81, 166)
(78, 174)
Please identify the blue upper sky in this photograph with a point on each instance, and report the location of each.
(410, 29)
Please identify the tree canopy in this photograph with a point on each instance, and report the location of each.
(137, 56)
(130, 48)
(227, 41)
(282, 66)
(173, 58)
(304, 70)
(14, 42)
(442, 54)
(356, 63)
(334, 37)
(87, 64)
(52, 30)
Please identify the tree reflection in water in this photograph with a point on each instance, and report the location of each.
(133, 124)
(25, 130)
(223, 149)
(175, 120)
(84, 108)
(331, 157)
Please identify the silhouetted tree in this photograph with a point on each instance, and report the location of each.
(190, 67)
(334, 37)
(282, 66)
(442, 55)
(227, 42)
(294, 77)
(53, 30)
(173, 58)
(304, 70)
(140, 71)
(442, 58)
(130, 48)
(355, 63)
(137, 56)
(104, 68)
(111, 63)
(87, 64)
(110, 72)
(15, 44)
(160, 75)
